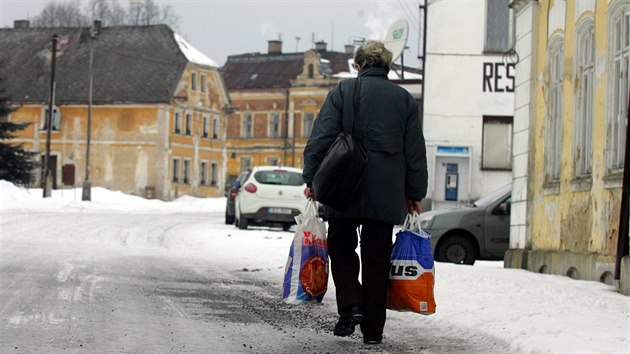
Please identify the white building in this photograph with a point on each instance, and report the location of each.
(469, 100)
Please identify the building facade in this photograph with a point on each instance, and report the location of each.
(571, 114)
(277, 97)
(158, 108)
(469, 100)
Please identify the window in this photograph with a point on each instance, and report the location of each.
(553, 127)
(499, 26)
(215, 128)
(178, 123)
(247, 125)
(186, 171)
(205, 127)
(203, 85)
(583, 122)
(176, 170)
(619, 56)
(497, 143)
(204, 173)
(188, 123)
(56, 119)
(308, 124)
(274, 125)
(214, 170)
(193, 81)
(273, 161)
(311, 70)
(246, 164)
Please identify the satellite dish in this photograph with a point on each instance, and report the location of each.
(396, 38)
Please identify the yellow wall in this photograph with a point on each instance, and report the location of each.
(575, 217)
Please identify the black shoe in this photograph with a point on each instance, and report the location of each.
(347, 321)
(372, 339)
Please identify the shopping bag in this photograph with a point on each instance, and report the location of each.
(306, 271)
(412, 273)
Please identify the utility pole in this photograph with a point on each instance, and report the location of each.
(46, 175)
(423, 26)
(87, 185)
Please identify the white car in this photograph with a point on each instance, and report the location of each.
(270, 195)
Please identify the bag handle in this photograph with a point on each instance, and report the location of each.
(310, 210)
(412, 222)
(355, 101)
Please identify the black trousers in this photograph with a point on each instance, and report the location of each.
(371, 292)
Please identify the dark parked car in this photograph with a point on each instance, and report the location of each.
(481, 231)
(231, 193)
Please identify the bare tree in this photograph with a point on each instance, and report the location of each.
(64, 14)
(110, 12)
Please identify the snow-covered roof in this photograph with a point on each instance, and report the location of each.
(192, 54)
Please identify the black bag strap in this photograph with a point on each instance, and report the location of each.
(355, 102)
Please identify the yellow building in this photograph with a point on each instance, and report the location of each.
(570, 126)
(158, 108)
(277, 97)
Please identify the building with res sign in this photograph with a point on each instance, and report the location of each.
(157, 112)
(570, 131)
(469, 100)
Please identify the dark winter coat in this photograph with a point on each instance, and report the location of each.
(389, 127)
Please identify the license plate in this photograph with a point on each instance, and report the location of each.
(279, 211)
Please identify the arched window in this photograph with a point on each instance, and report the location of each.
(617, 93)
(553, 125)
(583, 122)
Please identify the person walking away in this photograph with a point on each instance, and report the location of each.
(388, 125)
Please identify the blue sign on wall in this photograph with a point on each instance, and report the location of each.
(458, 150)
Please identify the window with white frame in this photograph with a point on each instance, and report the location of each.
(215, 128)
(246, 129)
(193, 81)
(177, 124)
(583, 122)
(553, 126)
(214, 172)
(176, 170)
(499, 26)
(497, 143)
(246, 164)
(274, 125)
(619, 57)
(188, 123)
(203, 84)
(206, 126)
(56, 119)
(307, 125)
(203, 173)
(186, 171)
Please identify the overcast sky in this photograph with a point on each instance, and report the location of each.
(220, 28)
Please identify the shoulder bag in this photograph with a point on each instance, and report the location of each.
(337, 179)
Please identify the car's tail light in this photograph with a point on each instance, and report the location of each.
(250, 187)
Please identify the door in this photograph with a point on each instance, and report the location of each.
(52, 166)
(497, 226)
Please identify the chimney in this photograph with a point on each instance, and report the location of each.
(320, 46)
(21, 24)
(274, 47)
(349, 48)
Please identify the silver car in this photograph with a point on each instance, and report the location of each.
(480, 231)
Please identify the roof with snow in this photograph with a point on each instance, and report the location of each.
(132, 64)
(256, 71)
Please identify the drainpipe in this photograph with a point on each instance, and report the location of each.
(286, 129)
(624, 238)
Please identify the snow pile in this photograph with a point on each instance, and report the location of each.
(16, 198)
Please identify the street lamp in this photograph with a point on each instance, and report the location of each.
(46, 175)
(87, 185)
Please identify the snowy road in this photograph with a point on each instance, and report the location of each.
(77, 280)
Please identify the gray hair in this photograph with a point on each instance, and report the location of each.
(373, 54)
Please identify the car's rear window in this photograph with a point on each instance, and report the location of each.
(279, 177)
